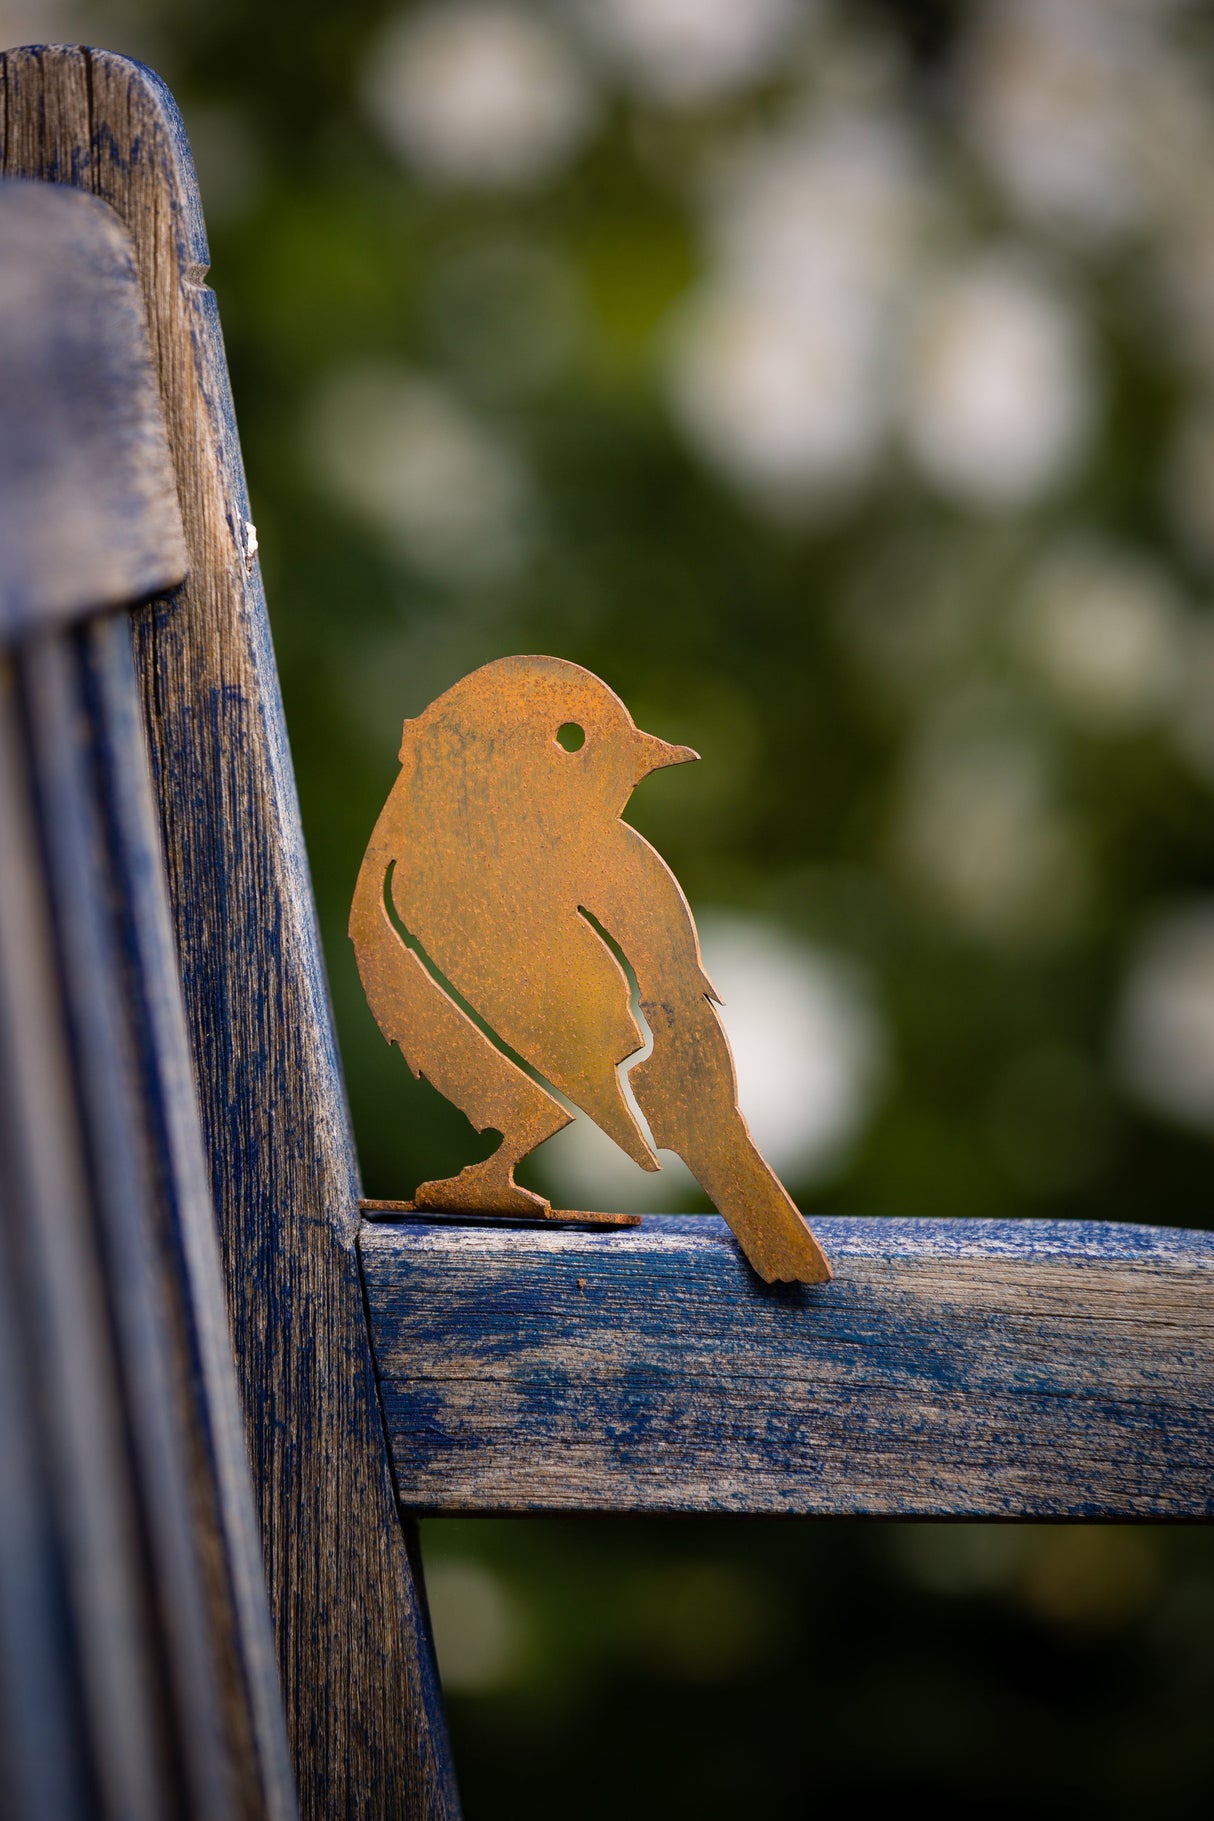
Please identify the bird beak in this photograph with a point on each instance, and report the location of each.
(655, 753)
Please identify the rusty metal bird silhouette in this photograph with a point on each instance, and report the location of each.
(497, 882)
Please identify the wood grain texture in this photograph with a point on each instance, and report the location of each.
(216, 1469)
(144, 1594)
(953, 1368)
(137, 1673)
(88, 506)
(97, 1710)
(361, 1689)
(85, 880)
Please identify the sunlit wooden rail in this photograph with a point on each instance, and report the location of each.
(964, 1368)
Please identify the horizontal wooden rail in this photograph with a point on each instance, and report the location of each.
(952, 1368)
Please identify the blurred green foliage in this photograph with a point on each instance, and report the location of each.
(788, 1669)
(858, 666)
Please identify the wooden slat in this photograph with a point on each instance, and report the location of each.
(196, 1668)
(142, 1612)
(49, 1686)
(100, 1623)
(108, 1070)
(361, 1688)
(952, 1368)
(88, 506)
(214, 1458)
(41, 1720)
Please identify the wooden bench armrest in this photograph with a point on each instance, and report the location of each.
(965, 1368)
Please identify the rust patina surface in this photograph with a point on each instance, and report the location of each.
(498, 891)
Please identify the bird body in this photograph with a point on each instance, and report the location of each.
(497, 847)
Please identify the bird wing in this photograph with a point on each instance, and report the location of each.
(435, 1035)
(686, 1087)
(633, 893)
(489, 900)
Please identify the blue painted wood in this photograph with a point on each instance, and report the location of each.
(82, 883)
(41, 1722)
(88, 505)
(138, 1679)
(218, 1471)
(165, 1602)
(361, 1688)
(952, 1368)
(96, 1623)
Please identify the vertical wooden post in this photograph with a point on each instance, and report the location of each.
(362, 1696)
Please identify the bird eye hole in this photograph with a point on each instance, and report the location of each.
(571, 736)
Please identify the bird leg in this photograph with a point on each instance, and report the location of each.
(507, 1101)
(486, 1188)
(440, 1041)
(496, 1096)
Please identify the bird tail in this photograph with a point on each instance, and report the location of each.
(687, 1091)
(765, 1220)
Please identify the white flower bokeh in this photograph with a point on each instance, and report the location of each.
(482, 93)
(684, 52)
(979, 830)
(786, 401)
(1001, 389)
(1104, 629)
(408, 458)
(478, 1624)
(1051, 92)
(781, 363)
(1165, 1024)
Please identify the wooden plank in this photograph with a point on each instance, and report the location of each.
(135, 1596)
(88, 505)
(952, 1369)
(147, 1594)
(41, 1722)
(214, 1462)
(84, 894)
(363, 1701)
(51, 1254)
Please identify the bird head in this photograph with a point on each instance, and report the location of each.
(557, 725)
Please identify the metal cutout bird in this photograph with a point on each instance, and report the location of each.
(497, 882)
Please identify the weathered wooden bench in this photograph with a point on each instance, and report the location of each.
(213, 1451)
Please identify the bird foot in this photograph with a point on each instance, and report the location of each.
(480, 1190)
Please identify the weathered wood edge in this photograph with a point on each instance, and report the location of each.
(88, 503)
(86, 874)
(221, 1479)
(162, 1619)
(951, 1369)
(70, 1395)
(361, 1688)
